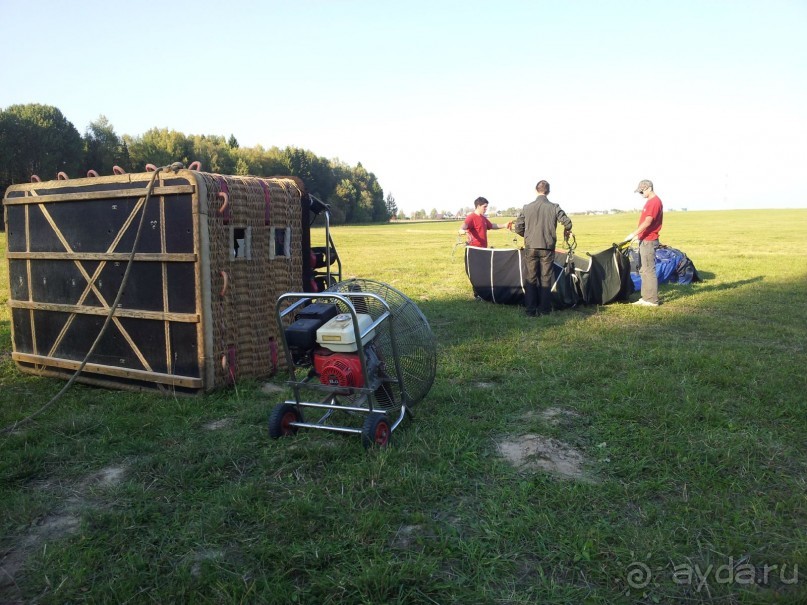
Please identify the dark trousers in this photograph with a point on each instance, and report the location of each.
(538, 289)
(647, 270)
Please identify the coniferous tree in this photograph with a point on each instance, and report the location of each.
(103, 149)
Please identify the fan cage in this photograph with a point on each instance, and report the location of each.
(414, 342)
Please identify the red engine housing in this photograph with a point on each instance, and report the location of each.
(338, 369)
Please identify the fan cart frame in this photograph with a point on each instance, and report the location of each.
(287, 417)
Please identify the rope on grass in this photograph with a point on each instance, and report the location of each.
(460, 242)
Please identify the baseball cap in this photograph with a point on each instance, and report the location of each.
(644, 184)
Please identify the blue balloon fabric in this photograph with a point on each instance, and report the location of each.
(672, 266)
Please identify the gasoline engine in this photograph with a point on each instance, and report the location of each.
(325, 339)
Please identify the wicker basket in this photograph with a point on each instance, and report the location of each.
(214, 254)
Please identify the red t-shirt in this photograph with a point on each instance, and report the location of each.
(653, 209)
(477, 226)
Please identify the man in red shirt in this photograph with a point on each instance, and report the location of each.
(476, 224)
(647, 232)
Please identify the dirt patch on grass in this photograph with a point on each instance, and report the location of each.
(71, 499)
(45, 529)
(198, 558)
(538, 453)
(554, 416)
(269, 388)
(217, 425)
(108, 476)
(406, 536)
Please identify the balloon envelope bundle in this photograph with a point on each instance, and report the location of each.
(499, 276)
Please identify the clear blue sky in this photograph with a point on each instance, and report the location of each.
(449, 100)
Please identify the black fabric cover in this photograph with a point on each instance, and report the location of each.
(604, 277)
(567, 290)
(498, 276)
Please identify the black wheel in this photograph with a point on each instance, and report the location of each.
(281, 418)
(376, 431)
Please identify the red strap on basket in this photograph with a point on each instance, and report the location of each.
(267, 202)
(226, 209)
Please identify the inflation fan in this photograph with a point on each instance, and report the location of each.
(365, 348)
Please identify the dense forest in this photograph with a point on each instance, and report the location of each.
(39, 139)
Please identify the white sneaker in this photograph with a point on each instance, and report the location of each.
(645, 303)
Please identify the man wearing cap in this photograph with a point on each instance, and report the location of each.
(647, 232)
(538, 224)
(476, 224)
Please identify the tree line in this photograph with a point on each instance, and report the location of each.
(38, 139)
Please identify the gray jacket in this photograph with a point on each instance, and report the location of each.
(538, 223)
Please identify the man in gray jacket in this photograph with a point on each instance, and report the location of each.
(538, 224)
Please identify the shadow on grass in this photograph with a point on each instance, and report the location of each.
(704, 286)
(458, 322)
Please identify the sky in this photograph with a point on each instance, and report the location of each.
(444, 100)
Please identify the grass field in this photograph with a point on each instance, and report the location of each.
(663, 452)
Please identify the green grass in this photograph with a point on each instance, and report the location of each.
(690, 420)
